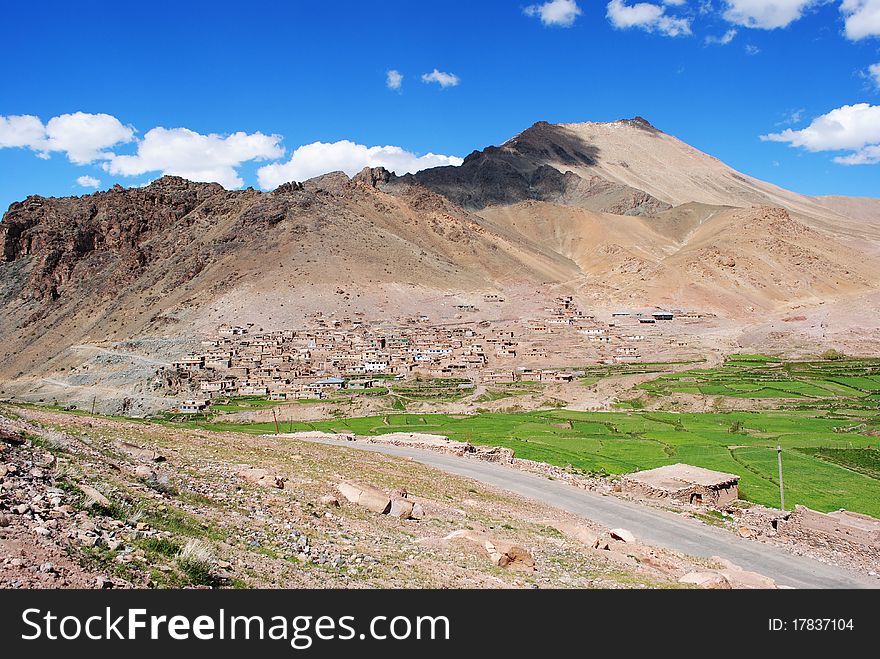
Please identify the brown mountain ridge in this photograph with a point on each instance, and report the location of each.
(613, 213)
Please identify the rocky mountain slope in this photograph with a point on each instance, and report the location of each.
(615, 214)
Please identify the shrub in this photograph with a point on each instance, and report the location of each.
(162, 546)
(196, 560)
(832, 355)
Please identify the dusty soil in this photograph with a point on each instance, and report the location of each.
(257, 536)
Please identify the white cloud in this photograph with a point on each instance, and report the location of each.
(862, 18)
(874, 73)
(561, 13)
(82, 137)
(441, 78)
(209, 158)
(24, 130)
(723, 40)
(869, 155)
(88, 182)
(394, 79)
(853, 128)
(766, 14)
(319, 158)
(646, 16)
(752, 50)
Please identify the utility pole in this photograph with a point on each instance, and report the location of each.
(94, 400)
(275, 416)
(781, 487)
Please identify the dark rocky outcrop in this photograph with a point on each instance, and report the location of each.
(529, 167)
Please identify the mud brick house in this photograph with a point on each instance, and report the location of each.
(190, 363)
(684, 483)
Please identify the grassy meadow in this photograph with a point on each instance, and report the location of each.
(618, 442)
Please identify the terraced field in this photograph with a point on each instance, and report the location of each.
(761, 376)
(618, 442)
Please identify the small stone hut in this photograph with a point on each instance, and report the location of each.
(684, 483)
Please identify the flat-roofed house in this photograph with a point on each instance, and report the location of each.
(685, 483)
(193, 406)
(328, 384)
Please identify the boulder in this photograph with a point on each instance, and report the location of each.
(329, 500)
(94, 497)
(500, 552)
(417, 511)
(504, 554)
(623, 535)
(262, 477)
(144, 472)
(371, 498)
(709, 580)
(401, 508)
(139, 453)
(14, 438)
(740, 578)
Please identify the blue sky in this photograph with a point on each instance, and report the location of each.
(281, 75)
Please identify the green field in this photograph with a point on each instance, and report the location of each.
(618, 442)
(595, 372)
(761, 376)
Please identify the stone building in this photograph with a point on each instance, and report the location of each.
(684, 483)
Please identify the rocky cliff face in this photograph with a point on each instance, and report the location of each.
(59, 233)
(113, 237)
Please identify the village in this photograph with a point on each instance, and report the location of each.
(359, 354)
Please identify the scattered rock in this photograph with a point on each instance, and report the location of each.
(94, 497)
(746, 532)
(740, 578)
(401, 508)
(501, 553)
(369, 497)
(708, 580)
(103, 583)
(144, 472)
(4, 520)
(262, 477)
(623, 535)
(14, 438)
(329, 500)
